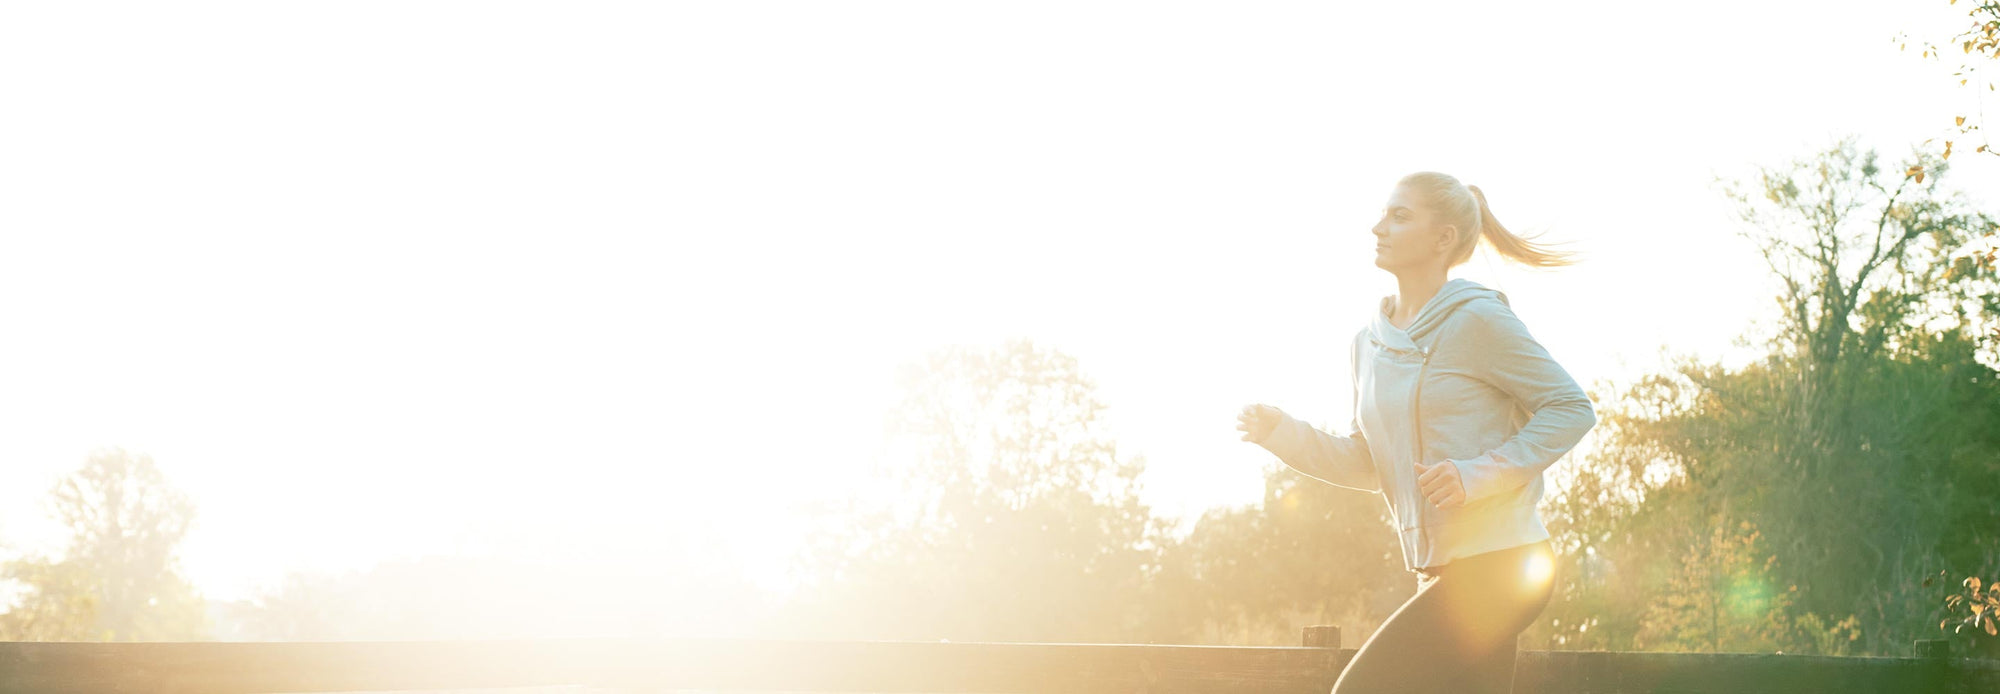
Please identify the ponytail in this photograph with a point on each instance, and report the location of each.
(1522, 250)
(1464, 207)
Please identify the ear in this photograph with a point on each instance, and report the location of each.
(1447, 236)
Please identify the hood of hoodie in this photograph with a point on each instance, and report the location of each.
(1455, 293)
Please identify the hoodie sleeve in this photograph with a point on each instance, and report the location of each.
(1342, 461)
(1511, 360)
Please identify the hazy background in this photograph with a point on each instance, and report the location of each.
(590, 283)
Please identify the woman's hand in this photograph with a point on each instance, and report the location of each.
(1257, 421)
(1441, 484)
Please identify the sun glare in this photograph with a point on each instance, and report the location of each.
(1540, 569)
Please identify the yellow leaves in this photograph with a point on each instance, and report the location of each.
(1961, 119)
(1947, 151)
(1952, 271)
(1916, 172)
(1985, 608)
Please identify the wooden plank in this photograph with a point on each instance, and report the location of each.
(899, 666)
(1322, 636)
(1618, 672)
(735, 664)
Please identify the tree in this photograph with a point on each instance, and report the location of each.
(1850, 239)
(1880, 301)
(1724, 596)
(119, 579)
(1309, 553)
(1013, 515)
(1979, 44)
(1860, 445)
(60, 605)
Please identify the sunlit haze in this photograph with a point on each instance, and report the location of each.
(588, 282)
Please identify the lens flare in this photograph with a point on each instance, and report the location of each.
(1540, 569)
(1748, 597)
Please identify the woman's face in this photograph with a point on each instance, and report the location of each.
(1408, 237)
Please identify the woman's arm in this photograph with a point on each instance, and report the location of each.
(1510, 359)
(1342, 461)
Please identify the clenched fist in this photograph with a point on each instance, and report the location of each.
(1441, 483)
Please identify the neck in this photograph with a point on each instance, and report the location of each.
(1414, 289)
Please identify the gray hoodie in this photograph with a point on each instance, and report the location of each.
(1464, 383)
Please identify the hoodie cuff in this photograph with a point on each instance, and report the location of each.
(1283, 438)
(1486, 475)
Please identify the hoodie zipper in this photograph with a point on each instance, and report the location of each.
(1416, 418)
(1416, 415)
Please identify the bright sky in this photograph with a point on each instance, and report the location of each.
(380, 279)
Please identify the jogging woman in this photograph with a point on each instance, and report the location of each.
(1457, 410)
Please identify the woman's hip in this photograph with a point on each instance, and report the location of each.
(1523, 576)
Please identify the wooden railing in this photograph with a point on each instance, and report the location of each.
(904, 666)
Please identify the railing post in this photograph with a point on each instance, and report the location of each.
(1934, 672)
(1322, 637)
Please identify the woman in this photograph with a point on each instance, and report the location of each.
(1457, 410)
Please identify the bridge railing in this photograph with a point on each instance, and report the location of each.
(722, 664)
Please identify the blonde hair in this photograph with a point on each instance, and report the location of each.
(1464, 207)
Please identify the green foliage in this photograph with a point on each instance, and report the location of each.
(1725, 597)
(119, 579)
(1865, 253)
(1860, 446)
(60, 604)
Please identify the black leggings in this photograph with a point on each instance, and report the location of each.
(1460, 631)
